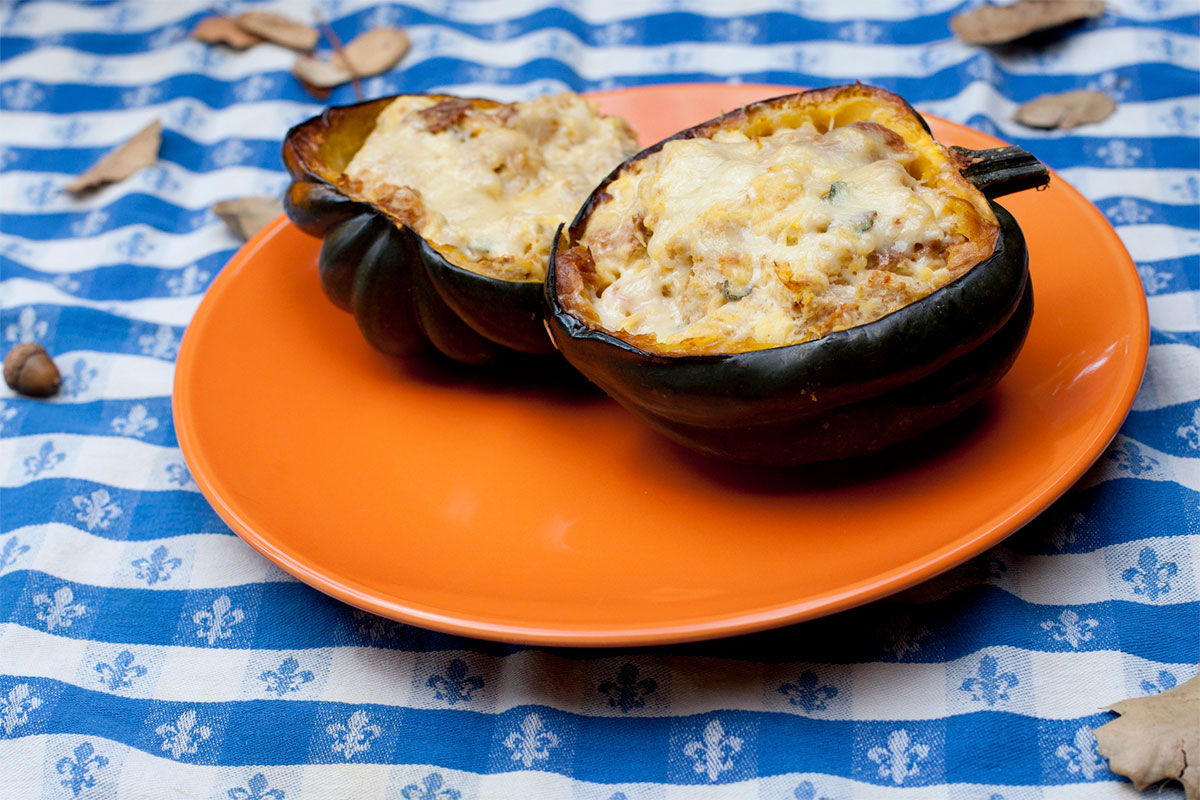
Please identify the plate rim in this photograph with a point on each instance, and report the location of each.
(865, 591)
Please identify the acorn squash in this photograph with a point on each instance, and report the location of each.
(805, 278)
(437, 213)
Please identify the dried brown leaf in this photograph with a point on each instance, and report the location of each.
(141, 150)
(372, 53)
(279, 29)
(318, 74)
(1002, 24)
(1156, 738)
(246, 216)
(223, 30)
(1067, 110)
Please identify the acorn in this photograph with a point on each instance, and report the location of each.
(28, 370)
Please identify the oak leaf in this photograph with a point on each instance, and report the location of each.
(372, 53)
(246, 216)
(224, 30)
(140, 150)
(279, 29)
(1002, 24)
(1156, 738)
(1066, 110)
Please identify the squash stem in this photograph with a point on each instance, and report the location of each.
(1001, 170)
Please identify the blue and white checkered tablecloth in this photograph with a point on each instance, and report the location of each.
(146, 652)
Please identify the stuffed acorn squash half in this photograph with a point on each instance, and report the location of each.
(437, 213)
(806, 278)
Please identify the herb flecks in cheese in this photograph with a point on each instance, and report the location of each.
(735, 243)
(487, 184)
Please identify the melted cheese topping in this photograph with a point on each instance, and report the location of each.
(488, 186)
(733, 243)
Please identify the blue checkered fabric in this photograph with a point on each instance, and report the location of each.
(147, 652)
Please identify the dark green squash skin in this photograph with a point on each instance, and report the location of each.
(849, 393)
(406, 297)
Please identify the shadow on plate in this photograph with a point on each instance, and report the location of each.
(824, 477)
(532, 378)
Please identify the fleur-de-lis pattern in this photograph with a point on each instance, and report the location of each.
(190, 281)
(456, 685)
(157, 567)
(806, 692)
(39, 195)
(1128, 211)
(217, 623)
(179, 475)
(140, 96)
(532, 741)
(67, 283)
(138, 422)
(160, 344)
(1162, 681)
(122, 672)
(230, 152)
(902, 637)
(1150, 577)
(7, 414)
(22, 95)
(353, 736)
(989, 684)
(628, 691)
(78, 378)
(807, 791)
(1154, 281)
(16, 705)
(15, 250)
(613, 34)
(1188, 188)
(714, 752)
(257, 788)
(1119, 153)
(81, 768)
(44, 460)
(1071, 628)
(286, 678)
(861, 31)
(11, 551)
(183, 736)
(1130, 458)
(1180, 118)
(253, 88)
(375, 627)
(60, 610)
(433, 787)
(1190, 432)
(91, 224)
(70, 132)
(135, 246)
(901, 757)
(96, 510)
(1080, 755)
(158, 179)
(737, 29)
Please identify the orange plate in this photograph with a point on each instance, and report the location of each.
(536, 510)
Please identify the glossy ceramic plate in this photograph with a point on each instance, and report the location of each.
(530, 508)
